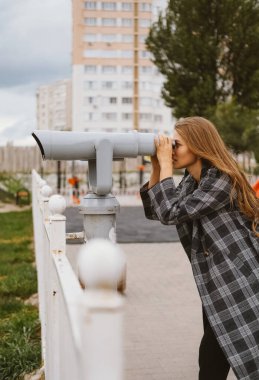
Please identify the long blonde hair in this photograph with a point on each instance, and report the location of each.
(203, 139)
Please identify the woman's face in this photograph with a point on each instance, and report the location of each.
(182, 156)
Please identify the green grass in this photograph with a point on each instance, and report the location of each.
(19, 323)
(6, 197)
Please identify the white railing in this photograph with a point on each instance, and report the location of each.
(81, 329)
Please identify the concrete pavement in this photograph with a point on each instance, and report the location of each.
(162, 320)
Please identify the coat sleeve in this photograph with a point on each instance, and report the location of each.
(212, 194)
(149, 210)
(146, 201)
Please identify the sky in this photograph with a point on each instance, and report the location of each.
(35, 49)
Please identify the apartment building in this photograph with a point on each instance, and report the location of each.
(115, 86)
(54, 106)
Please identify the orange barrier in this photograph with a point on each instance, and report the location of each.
(256, 188)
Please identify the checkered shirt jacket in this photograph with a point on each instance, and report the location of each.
(224, 254)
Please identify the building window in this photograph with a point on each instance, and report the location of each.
(145, 7)
(126, 84)
(145, 86)
(113, 100)
(109, 37)
(109, 84)
(156, 86)
(109, 116)
(144, 23)
(101, 53)
(91, 116)
(90, 69)
(145, 116)
(145, 70)
(89, 100)
(145, 54)
(90, 21)
(91, 53)
(109, 69)
(109, 22)
(126, 54)
(106, 101)
(109, 130)
(142, 38)
(126, 100)
(127, 116)
(145, 101)
(126, 38)
(90, 85)
(127, 69)
(111, 6)
(126, 7)
(109, 53)
(90, 37)
(90, 5)
(158, 118)
(126, 22)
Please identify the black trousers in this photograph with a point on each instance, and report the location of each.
(212, 361)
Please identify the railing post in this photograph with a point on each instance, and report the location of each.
(40, 243)
(57, 245)
(81, 331)
(46, 192)
(101, 265)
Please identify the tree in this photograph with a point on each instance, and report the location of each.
(238, 126)
(208, 52)
(253, 140)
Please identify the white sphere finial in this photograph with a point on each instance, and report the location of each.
(57, 204)
(46, 191)
(37, 176)
(42, 183)
(101, 264)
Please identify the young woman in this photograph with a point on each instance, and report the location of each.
(216, 214)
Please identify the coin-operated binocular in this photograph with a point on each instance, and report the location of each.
(99, 149)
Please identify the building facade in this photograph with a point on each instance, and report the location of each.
(115, 86)
(54, 106)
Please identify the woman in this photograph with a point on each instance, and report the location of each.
(216, 214)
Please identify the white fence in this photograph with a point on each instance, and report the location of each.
(81, 329)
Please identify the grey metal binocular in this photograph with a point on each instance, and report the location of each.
(98, 148)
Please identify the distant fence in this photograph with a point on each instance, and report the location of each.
(81, 329)
(19, 159)
(22, 159)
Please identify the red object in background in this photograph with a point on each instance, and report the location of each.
(73, 181)
(256, 188)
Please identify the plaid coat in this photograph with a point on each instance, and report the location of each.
(224, 254)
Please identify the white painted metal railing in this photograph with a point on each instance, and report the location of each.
(81, 329)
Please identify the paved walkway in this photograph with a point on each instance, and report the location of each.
(162, 323)
(131, 226)
(9, 207)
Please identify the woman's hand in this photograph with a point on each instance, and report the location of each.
(162, 162)
(164, 154)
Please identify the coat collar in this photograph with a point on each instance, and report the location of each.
(206, 165)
